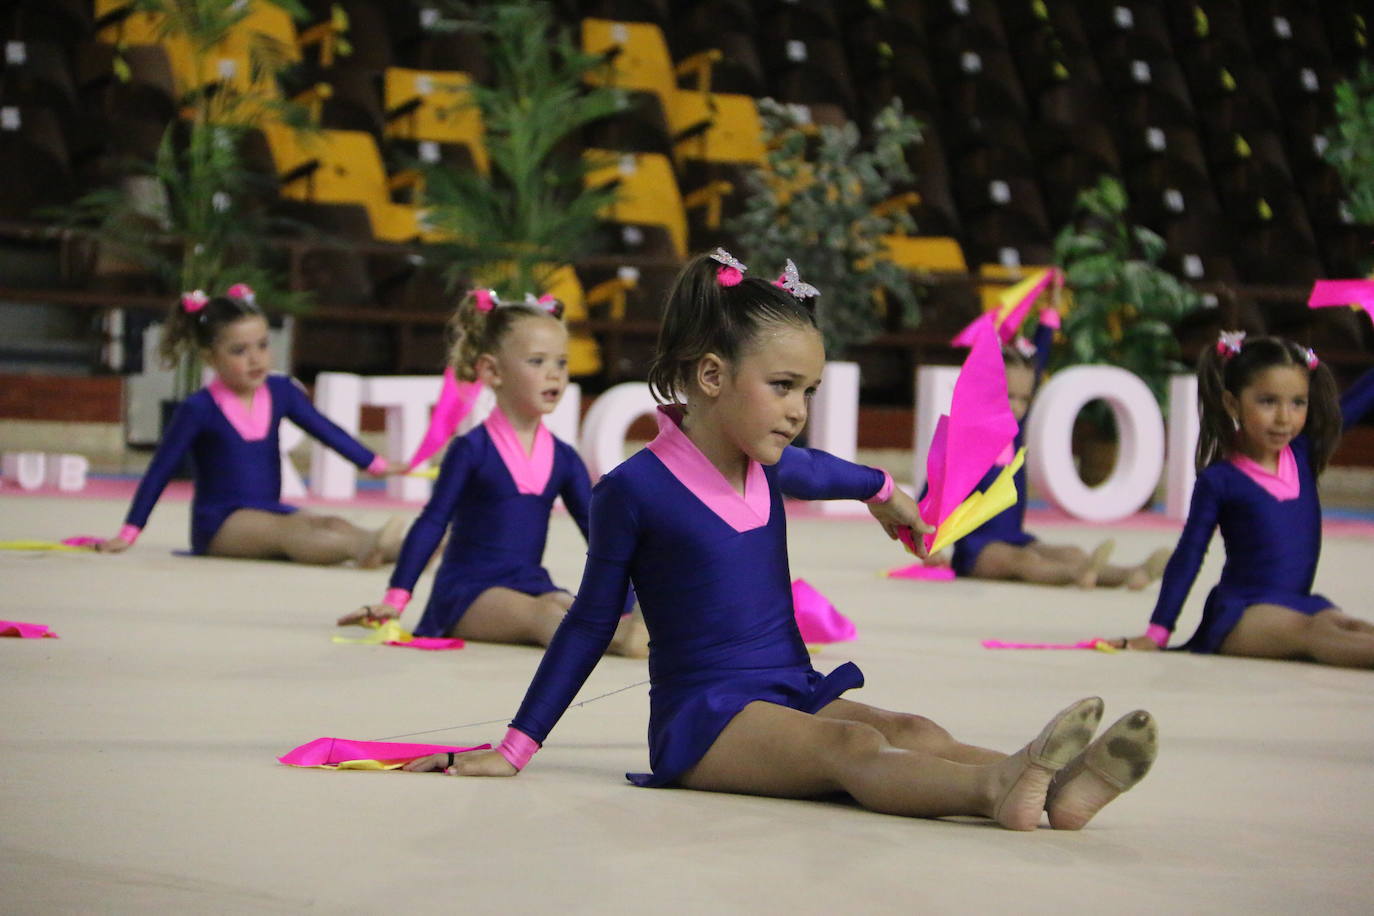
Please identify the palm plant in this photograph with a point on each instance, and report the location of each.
(1350, 141)
(533, 212)
(188, 215)
(820, 201)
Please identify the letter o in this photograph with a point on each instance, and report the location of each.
(1140, 427)
(607, 422)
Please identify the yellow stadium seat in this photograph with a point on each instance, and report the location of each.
(925, 253)
(724, 128)
(341, 166)
(648, 191)
(642, 64)
(584, 355)
(439, 110)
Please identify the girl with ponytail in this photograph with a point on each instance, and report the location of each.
(229, 429)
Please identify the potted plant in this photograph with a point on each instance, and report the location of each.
(820, 200)
(1124, 309)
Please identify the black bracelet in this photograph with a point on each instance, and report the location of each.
(450, 759)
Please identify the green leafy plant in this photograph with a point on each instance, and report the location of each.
(1350, 141)
(1125, 306)
(819, 201)
(188, 215)
(534, 211)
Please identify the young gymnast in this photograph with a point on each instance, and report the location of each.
(695, 521)
(1270, 419)
(496, 488)
(229, 428)
(1001, 548)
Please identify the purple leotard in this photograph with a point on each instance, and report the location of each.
(1272, 545)
(232, 472)
(711, 572)
(498, 533)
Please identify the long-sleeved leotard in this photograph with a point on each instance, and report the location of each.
(233, 472)
(1272, 544)
(498, 532)
(710, 569)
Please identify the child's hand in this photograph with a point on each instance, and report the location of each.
(368, 615)
(1140, 644)
(900, 512)
(481, 763)
(939, 558)
(113, 545)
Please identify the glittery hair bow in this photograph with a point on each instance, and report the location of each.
(1024, 347)
(242, 292)
(484, 300)
(1229, 343)
(731, 271)
(194, 301)
(1310, 356)
(793, 283)
(547, 302)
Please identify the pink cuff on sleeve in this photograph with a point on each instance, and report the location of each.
(129, 533)
(378, 465)
(1050, 318)
(517, 747)
(1158, 635)
(397, 598)
(884, 492)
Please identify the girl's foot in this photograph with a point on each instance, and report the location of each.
(1087, 573)
(1150, 570)
(1023, 779)
(1117, 760)
(631, 636)
(385, 544)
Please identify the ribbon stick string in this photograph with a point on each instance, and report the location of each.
(451, 728)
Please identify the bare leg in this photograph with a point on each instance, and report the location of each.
(322, 540)
(1030, 564)
(775, 751)
(507, 616)
(1330, 637)
(914, 733)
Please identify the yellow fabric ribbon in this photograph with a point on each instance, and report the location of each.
(388, 632)
(979, 507)
(39, 545)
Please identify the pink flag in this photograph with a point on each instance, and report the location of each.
(1016, 302)
(331, 752)
(1096, 642)
(1357, 293)
(817, 618)
(977, 429)
(455, 402)
(25, 630)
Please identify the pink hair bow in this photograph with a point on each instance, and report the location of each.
(194, 301)
(792, 282)
(731, 271)
(242, 291)
(1023, 346)
(1311, 357)
(547, 302)
(1229, 343)
(486, 299)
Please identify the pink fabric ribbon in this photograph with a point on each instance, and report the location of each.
(330, 752)
(1095, 643)
(1355, 293)
(456, 400)
(922, 572)
(25, 630)
(817, 618)
(82, 540)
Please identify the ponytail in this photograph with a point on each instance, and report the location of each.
(482, 321)
(195, 320)
(714, 308)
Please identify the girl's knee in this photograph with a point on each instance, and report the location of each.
(918, 731)
(851, 740)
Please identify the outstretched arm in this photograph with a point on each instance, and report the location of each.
(303, 413)
(1183, 566)
(809, 473)
(176, 442)
(581, 639)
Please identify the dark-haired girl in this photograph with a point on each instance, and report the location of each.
(695, 521)
(496, 487)
(1270, 419)
(229, 428)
